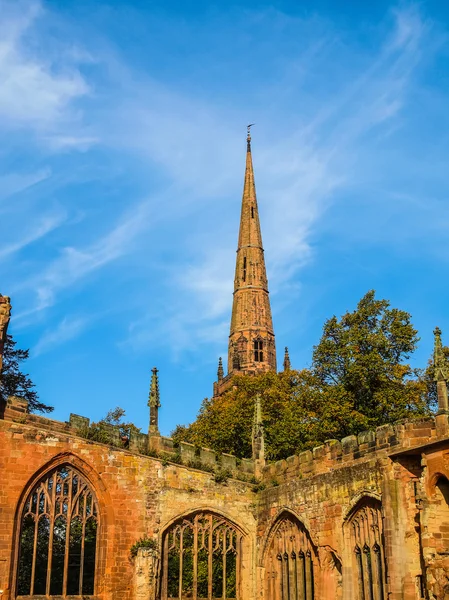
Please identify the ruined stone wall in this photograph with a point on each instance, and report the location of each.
(137, 495)
(403, 469)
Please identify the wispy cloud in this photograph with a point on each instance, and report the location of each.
(36, 91)
(67, 329)
(46, 224)
(12, 183)
(73, 264)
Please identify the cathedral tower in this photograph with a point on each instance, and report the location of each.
(251, 347)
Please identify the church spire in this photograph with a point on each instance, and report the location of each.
(251, 341)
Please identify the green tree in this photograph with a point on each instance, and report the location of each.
(359, 379)
(364, 356)
(104, 430)
(14, 382)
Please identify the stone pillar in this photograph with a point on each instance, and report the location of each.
(258, 442)
(146, 574)
(154, 405)
(441, 376)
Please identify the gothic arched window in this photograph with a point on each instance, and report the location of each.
(290, 563)
(201, 558)
(58, 537)
(368, 551)
(258, 350)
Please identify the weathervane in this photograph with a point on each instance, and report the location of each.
(248, 137)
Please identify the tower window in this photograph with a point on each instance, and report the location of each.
(258, 351)
(244, 268)
(252, 212)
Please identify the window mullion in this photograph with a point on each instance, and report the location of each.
(51, 520)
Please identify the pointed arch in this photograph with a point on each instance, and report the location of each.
(291, 560)
(61, 516)
(201, 556)
(364, 548)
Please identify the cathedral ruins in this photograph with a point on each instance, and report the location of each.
(362, 518)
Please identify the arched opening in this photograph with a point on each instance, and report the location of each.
(291, 562)
(258, 350)
(201, 558)
(367, 549)
(57, 551)
(440, 522)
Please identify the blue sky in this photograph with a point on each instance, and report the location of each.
(122, 149)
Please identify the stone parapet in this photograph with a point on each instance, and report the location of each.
(403, 435)
(156, 446)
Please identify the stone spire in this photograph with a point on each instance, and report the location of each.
(154, 403)
(251, 340)
(258, 442)
(287, 364)
(441, 373)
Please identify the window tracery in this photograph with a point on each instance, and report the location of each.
(291, 562)
(367, 543)
(201, 559)
(58, 537)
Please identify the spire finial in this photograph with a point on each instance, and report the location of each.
(441, 373)
(248, 137)
(154, 402)
(220, 371)
(439, 360)
(287, 364)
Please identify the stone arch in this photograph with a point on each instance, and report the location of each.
(284, 510)
(357, 500)
(202, 553)
(101, 498)
(290, 559)
(364, 575)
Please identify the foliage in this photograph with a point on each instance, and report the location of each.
(359, 379)
(112, 429)
(222, 476)
(16, 383)
(364, 355)
(144, 542)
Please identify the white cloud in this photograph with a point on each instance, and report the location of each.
(74, 264)
(35, 91)
(46, 224)
(12, 183)
(68, 329)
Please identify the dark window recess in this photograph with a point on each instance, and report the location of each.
(201, 559)
(252, 212)
(258, 351)
(367, 537)
(58, 537)
(244, 268)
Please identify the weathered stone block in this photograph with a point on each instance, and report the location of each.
(247, 466)
(78, 422)
(187, 452)
(349, 444)
(228, 462)
(319, 452)
(208, 457)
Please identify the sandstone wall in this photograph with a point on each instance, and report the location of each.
(138, 496)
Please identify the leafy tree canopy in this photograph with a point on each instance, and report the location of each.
(359, 379)
(14, 382)
(103, 431)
